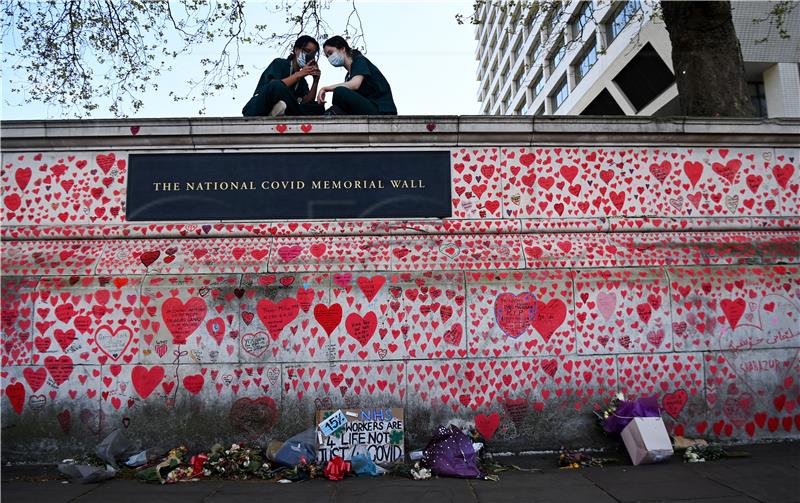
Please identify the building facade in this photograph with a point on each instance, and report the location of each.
(614, 58)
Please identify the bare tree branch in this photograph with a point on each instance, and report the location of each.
(75, 54)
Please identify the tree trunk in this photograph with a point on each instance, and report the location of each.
(707, 59)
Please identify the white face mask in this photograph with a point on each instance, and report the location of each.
(301, 59)
(336, 59)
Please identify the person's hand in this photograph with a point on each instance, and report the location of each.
(321, 95)
(313, 70)
(307, 70)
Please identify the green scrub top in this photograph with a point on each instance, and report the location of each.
(280, 68)
(374, 87)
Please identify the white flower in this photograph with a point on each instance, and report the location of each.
(620, 396)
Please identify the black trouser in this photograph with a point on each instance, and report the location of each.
(262, 102)
(349, 102)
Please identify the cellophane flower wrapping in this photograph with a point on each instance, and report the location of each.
(627, 410)
(450, 454)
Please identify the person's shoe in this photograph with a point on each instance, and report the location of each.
(334, 110)
(278, 110)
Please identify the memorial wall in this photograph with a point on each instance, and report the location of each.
(202, 280)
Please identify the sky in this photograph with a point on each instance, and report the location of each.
(428, 59)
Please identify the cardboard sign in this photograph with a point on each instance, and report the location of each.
(333, 423)
(379, 430)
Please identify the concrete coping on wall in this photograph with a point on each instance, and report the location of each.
(208, 133)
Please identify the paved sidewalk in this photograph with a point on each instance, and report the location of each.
(771, 474)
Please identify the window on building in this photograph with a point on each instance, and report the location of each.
(586, 60)
(534, 52)
(560, 94)
(531, 13)
(518, 79)
(537, 84)
(517, 43)
(551, 19)
(556, 9)
(504, 104)
(620, 18)
(537, 50)
(520, 106)
(557, 54)
(583, 17)
(541, 110)
(758, 97)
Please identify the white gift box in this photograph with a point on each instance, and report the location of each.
(647, 440)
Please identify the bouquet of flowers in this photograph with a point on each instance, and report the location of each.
(703, 453)
(170, 469)
(238, 462)
(575, 459)
(602, 415)
(620, 412)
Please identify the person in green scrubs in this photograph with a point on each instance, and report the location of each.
(365, 91)
(282, 88)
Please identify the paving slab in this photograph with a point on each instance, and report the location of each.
(136, 491)
(778, 484)
(404, 490)
(564, 487)
(53, 491)
(663, 482)
(317, 491)
(735, 499)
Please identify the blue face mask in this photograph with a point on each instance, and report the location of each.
(301, 59)
(336, 59)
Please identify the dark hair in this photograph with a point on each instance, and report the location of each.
(301, 43)
(340, 43)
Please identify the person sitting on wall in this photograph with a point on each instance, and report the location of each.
(282, 88)
(365, 91)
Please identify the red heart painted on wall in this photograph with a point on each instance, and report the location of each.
(276, 316)
(514, 312)
(673, 402)
(549, 317)
(487, 425)
(183, 319)
(328, 317)
(145, 380)
(361, 328)
(16, 395)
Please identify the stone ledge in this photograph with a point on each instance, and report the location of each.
(398, 253)
(419, 131)
(420, 228)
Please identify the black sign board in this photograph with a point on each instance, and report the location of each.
(290, 185)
